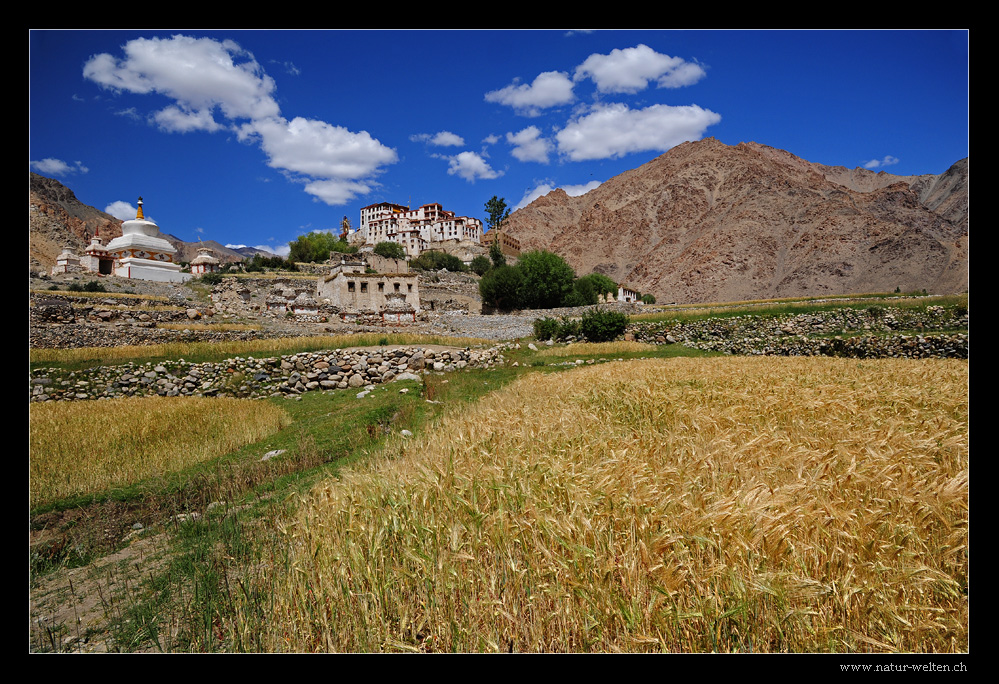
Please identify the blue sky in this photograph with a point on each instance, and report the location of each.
(256, 137)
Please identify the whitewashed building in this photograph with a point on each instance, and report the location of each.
(414, 229)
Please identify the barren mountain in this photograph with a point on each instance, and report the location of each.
(57, 219)
(712, 222)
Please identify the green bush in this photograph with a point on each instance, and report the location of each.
(434, 261)
(390, 250)
(212, 278)
(500, 288)
(480, 265)
(545, 328)
(648, 299)
(603, 326)
(568, 328)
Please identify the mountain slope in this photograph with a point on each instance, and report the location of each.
(712, 222)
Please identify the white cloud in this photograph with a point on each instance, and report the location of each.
(577, 190)
(549, 89)
(529, 145)
(199, 73)
(122, 210)
(615, 130)
(173, 119)
(534, 194)
(491, 139)
(318, 149)
(205, 77)
(336, 192)
(57, 167)
(544, 188)
(469, 165)
(442, 139)
(875, 163)
(631, 69)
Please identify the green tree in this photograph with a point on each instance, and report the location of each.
(498, 212)
(496, 254)
(648, 299)
(390, 250)
(547, 279)
(601, 284)
(479, 265)
(433, 260)
(316, 247)
(500, 288)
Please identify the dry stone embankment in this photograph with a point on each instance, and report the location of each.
(250, 377)
(855, 333)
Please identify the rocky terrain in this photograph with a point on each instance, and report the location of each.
(711, 222)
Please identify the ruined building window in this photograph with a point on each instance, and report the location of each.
(397, 287)
(350, 286)
(364, 287)
(409, 286)
(381, 287)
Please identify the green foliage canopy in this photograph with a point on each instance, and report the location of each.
(547, 279)
(498, 212)
(316, 246)
(480, 265)
(500, 287)
(390, 250)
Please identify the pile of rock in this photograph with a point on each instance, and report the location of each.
(251, 378)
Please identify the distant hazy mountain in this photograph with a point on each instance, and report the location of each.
(712, 222)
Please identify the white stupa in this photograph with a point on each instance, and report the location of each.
(141, 253)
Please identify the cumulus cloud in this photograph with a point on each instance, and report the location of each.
(469, 165)
(630, 70)
(875, 163)
(549, 89)
(200, 74)
(614, 130)
(528, 145)
(318, 149)
(57, 167)
(207, 78)
(442, 139)
(173, 119)
(547, 186)
(577, 190)
(123, 211)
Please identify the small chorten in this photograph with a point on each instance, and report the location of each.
(142, 253)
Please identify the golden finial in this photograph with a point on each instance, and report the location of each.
(138, 215)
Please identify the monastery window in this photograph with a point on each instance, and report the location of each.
(350, 286)
(381, 287)
(397, 287)
(364, 287)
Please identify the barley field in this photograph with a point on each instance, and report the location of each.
(91, 446)
(686, 505)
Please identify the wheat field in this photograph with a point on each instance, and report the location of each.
(90, 446)
(686, 505)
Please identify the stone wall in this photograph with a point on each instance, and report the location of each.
(251, 378)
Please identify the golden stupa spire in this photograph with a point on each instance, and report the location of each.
(138, 215)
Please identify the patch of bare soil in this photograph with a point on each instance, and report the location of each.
(72, 609)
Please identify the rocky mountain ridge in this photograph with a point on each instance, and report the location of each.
(57, 219)
(711, 222)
